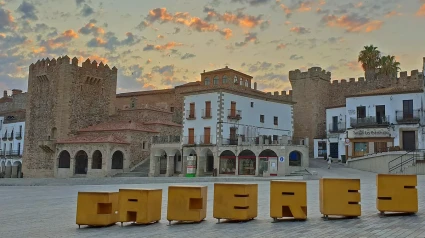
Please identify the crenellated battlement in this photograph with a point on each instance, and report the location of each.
(312, 73)
(404, 79)
(47, 64)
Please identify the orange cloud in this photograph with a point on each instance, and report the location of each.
(392, 14)
(160, 37)
(39, 50)
(300, 30)
(281, 46)
(352, 23)
(305, 7)
(70, 34)
(227, 33)
(322, 2)
(354, 65)
(168, 46)
(421, 11)
(286, 9)
(287, 23)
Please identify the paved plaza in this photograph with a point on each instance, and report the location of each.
(49, 211)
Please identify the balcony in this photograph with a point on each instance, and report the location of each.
(4, 137)
(190, 115)
(189, 140)
(412, 117)
(263, 140)
(370, 121)
(206, 113)
(337, 127)
(207, 140)
(47, 145)
(18, 136)
(11, 153)
(234, 114)
(166, 139)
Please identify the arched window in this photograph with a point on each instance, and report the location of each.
(64, 160)
(97, 160)
(215, 80)
(225, 80)
(207, 81)
(246, 83)
(235, 79)
(117, 160)
(241, 82)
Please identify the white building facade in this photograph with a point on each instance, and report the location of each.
(234, 133)
(11, 146)
(382, 120)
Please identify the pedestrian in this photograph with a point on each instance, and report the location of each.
(329, 161)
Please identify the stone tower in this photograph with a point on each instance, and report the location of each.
(63, 98)
(310, 92)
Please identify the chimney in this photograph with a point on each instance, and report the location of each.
(255, 86)
(5, 94)
(16, 91)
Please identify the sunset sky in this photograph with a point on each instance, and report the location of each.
(158, 44)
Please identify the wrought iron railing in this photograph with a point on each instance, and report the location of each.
(207, 139)
(408, 116)
(399, 164)
(337, 127)
(190, 114)
(190, 140)
(370, 121)
(166, 139)
(234, 114)
(206, 113)
(11, 153)
(18, 135)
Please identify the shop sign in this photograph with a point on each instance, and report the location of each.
(369, 132)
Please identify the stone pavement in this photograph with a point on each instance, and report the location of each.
(49, 211)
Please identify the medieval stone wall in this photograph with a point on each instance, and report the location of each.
(18, 102)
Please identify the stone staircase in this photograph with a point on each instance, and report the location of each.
(141, 170)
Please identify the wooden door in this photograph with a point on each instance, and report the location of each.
(409, 140)
(191, 136)
(207, 135)
(233, 139)
(207, 109)
(233, 109)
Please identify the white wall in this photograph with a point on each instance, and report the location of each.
(251, 117)
(316, 148)
(200, 123)
(392, 103)
(15, 142)
(339, 112)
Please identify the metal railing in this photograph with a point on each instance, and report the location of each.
(408, 117)
(370, 121)
(10, 136)
(262, 140)
(4, 137)
(18, 135)
(166, 139)
(234, 114)
(337, 127)
(190, 114)
(189, 140)
(206, 113)
(399, 164)
(11, 153)
(229, 140)
(207, 139)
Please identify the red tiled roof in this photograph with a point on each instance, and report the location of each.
(387, 91)
(80, 139)
(119, 126)
(196, 83)
(163, 123)
(6, 99)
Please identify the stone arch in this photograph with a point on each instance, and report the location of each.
(162, 155)
(263, 160)
(117, 160)
(64, 160)
(227, 162)
(178, 163)
(8, 171)
(209, 160)
(267, 153)
(96, 162)
(3, 166)
(81, 162)
(16, 169)
(295, 158)
(246, 162)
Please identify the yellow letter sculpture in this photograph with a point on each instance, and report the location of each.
(187, 203)
(397, 193)
(141, 206)
(235, 201)
(97, 208)
(340, 197)
(288, 199)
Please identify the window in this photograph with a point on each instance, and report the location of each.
(144, 145)
(361, 112)
(225, 80)
(215, 80)
(275, 138)
(408, 108)
(207, 113)
(192, 110)
(19, 149)
(235, 80)
(241, 82)
(275, 121)
(262, 118)
(335, 123)
(133, 103)
(207, 81)
(360, 149)
(172, 109)
(321, 148)
(246, 83)
(252, 104)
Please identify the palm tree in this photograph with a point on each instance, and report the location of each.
(369, 57)
(389, 66)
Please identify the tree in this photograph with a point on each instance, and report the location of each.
(389, 66)
(370, 59)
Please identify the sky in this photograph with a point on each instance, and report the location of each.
(163, 43)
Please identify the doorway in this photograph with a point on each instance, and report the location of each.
(81, 162)
(409, 140)
(334, 150)
(380, 114)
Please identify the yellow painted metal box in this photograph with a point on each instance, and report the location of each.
(234, 201)
(97, 208)
(288, 199)
(397, 193)
(187, 203)
(340, 197)
(141, 206)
